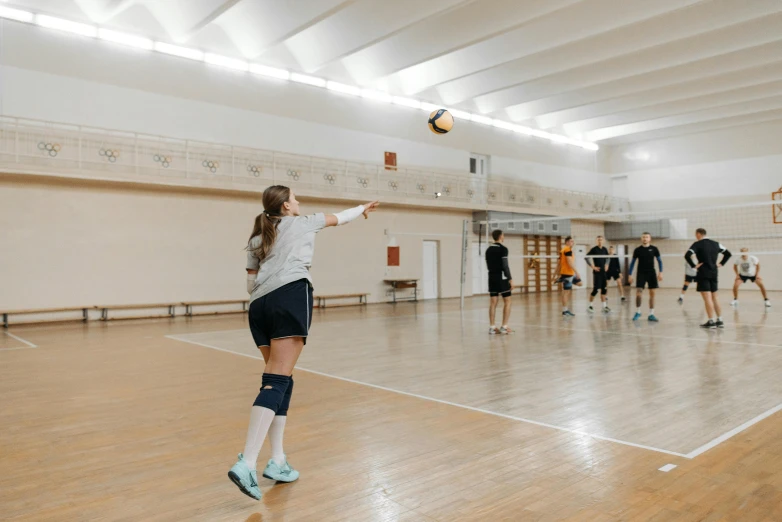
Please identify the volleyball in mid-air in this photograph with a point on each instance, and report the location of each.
(440, 121)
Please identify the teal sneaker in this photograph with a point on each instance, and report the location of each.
(653, 319)
(246, 479)
(636, 316)
(284, 473)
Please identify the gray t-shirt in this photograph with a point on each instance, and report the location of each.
(291, 254)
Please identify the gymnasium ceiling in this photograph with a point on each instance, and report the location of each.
(611, 71)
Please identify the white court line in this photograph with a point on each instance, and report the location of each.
(667, 468)
(448, 403)
(28, 343)
(735, 431)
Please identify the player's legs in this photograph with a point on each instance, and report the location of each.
(639, 292)
(493, 309)
(709, 304)
(736, 285)
(506, 305)
(715, 303)
(621, 288)
(759, 282)
(651, 299)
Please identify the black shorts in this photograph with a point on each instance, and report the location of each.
(647, 278)
(599, 280)
(285, 312)
(744, 279)
(613, 276)
(707, 284)
(689, 279)
(499, 286)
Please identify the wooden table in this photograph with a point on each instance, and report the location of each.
(403, 283)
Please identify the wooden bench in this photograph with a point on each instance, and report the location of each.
(82, 309)
(403, 283)
(104, 310)
(321, 299)
(190, 304)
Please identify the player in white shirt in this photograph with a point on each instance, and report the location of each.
(747, 268)
(689, 277)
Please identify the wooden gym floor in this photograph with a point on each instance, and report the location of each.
(408, 412)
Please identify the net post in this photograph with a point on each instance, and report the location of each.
(465, 227)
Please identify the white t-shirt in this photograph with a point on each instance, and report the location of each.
(747, 267)
(290, 257)
(688, 270)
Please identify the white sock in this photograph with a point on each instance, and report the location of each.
(260, 420)
(638, 310)
(505, 326)
(681, 296)
(492, 326)
(564, 308)
(605, 304)
(651, 311)
(276, 431)
(719, 318)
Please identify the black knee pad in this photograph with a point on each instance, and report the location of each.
(594, 292)
(273, 388)
(684, 288)
(603, 291)
(286, 399)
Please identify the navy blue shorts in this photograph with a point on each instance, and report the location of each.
(285, 312)
(568, 281)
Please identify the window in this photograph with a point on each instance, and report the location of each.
(479, 164)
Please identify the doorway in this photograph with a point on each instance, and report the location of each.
(430, 274)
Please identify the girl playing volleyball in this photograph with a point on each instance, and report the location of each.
(279, 255)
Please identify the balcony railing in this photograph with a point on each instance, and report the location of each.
(29, 145)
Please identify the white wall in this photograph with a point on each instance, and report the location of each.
(52, 76)
(728, 165)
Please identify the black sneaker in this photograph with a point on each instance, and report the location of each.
(719, 324)
(709, 324)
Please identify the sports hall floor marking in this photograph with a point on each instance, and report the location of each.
(692, 454)
(448, 403)
(667, 468)
(12, 336)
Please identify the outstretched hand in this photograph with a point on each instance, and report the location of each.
(370, 207)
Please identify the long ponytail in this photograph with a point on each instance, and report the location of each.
(266, 222)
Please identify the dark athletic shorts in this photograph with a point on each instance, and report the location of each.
(568, 281)
(689, 279)
(707, 284)
(647, 278)
(285, 312)
(744, 279)
(613, 276)
(499, 286)
(599, 280)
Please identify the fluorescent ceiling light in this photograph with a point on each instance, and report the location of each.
(51, 22)
(462, 115)
(482, 119)
(182, 52)
(406, 102)
(272, 72)
(503, 125)
(224, 61)
(429, 107)
(309, 80)
(125, 39)
(521, 129)
(376, 95)
(16, 14)
(345, 89)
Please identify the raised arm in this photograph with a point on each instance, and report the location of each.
(346, 216)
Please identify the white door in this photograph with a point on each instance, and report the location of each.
(480, 273)
(581, 265)
(429, 283)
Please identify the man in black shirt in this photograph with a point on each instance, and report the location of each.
(615, 272)
(500, 282)
(599, 274)
(708, 253)
(645, 256)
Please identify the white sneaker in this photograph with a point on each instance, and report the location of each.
(493, 330)
(768, 303)
(505, 330)
(735, 302)
(590, 308)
